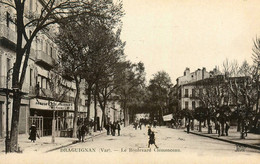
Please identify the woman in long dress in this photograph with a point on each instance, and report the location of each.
(33, 133)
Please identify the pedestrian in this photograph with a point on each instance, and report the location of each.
(246, 127)
(140, 126)
(154, 124)
(83, 131)
(210, 128)
(118, 128)
(107, 128)
(227, 128)
(218, 128)
(115, 127)
(33, 133)
(135, 125)
(149, 130)
(152, 140)
(188, 127)
(91, 129)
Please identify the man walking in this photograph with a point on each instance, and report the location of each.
(83, 130)
(118, 128)
(227, 128)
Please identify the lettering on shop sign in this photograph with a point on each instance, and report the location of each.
(41, 103)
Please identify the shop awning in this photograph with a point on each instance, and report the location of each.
(167, 117)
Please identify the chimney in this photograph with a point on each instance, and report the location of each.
(203, 72)
(187, 71)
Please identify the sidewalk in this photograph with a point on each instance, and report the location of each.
(252, 140)
(44, 143)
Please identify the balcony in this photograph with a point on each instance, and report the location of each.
(25, 88)
(44, 93)
(7, 37)
(44, 60)
(3, 82)
(193, 96)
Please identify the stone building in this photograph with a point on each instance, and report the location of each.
(38, 97)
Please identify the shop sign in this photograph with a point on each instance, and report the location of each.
(49, 105)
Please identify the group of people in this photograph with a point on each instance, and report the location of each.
(86, 128)
(138, 125)
(217, 128)
(112, 127)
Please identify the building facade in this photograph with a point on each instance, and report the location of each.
(38, 102)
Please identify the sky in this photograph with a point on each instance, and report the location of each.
(171, 35)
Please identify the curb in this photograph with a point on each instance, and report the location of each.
(73, 143)
(225, 140)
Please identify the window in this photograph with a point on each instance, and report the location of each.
(51, 51)
(200, 91)
(193, 92)
(200, 104)
(44, 83)
(193, 105)
(46, 48)
(186, 105)
(186, 93)
(7, 19)
(31, 76)
(8, 64)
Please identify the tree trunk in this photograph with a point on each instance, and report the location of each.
(238, 125)
(126, 121)
(222, 129)
(199, 126)
(15, 122)
(95, 109)
(89, 102)
(242, 130)
(208, 121)
(15, 81)
(76, 103)
(53, 132)
(104, 120)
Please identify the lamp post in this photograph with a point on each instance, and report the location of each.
(7, 140)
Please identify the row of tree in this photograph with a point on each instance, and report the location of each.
(231, 95)
(91, 51)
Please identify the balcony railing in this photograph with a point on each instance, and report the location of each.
(7, 33)
(44, 59)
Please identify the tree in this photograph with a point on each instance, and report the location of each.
(256, 60)
(84, 45)
(201, 114)
(59, 90)
(51, 12)
(133, 79)
(160, 87)
(212, 92)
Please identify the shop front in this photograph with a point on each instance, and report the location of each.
(43, 111)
